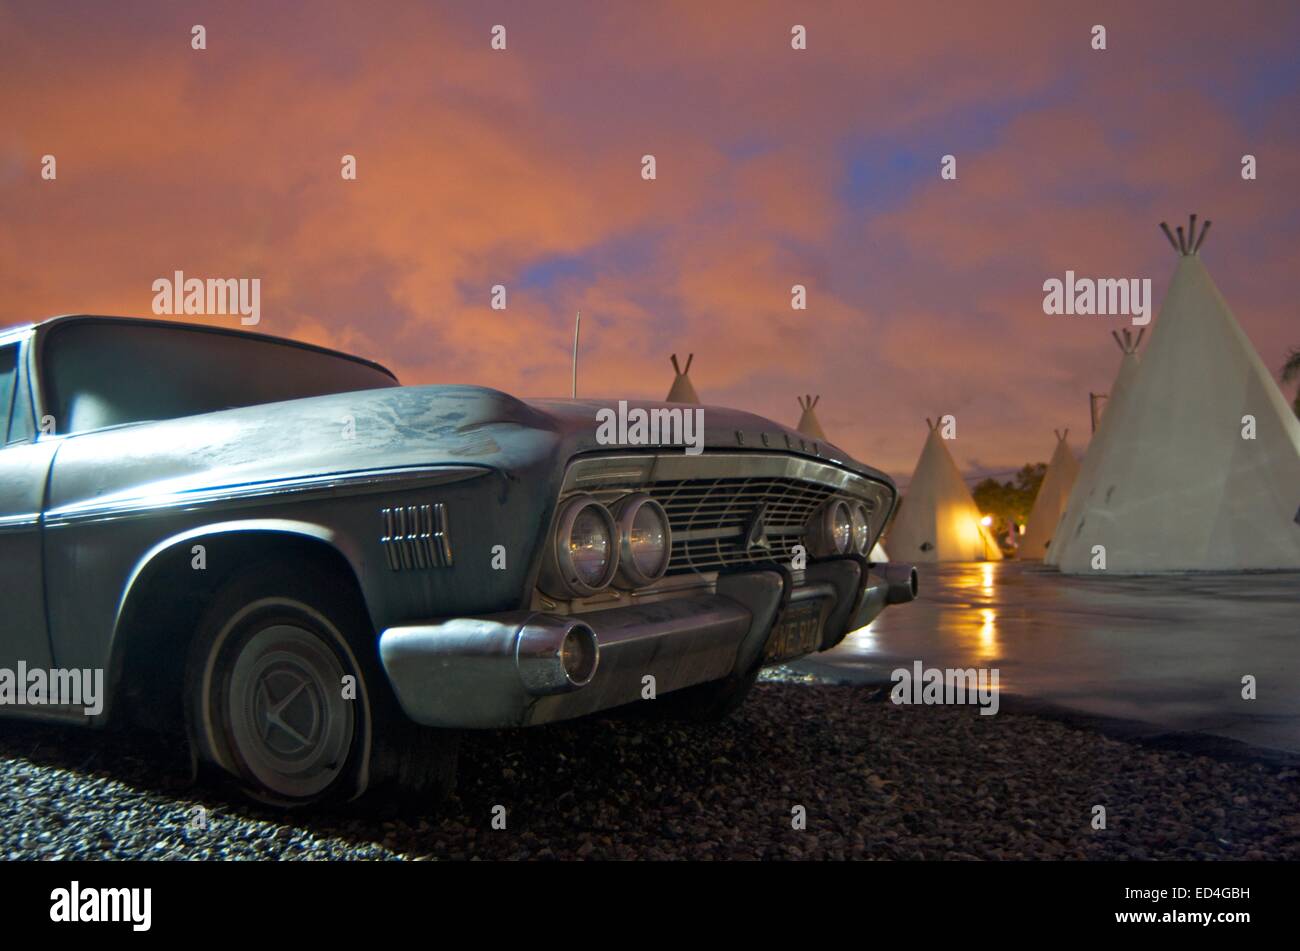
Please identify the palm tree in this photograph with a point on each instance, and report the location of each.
(1291, 372)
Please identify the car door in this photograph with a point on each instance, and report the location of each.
(24, 469)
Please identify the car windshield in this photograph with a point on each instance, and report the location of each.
(101, 373)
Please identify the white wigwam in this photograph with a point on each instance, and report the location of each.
(809, 425)
(682, 391)
(1182, 486)
(1050, 502)
(1086, 480)
(938, 520)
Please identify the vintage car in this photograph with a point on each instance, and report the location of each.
(321, 576)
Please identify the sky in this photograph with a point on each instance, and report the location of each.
(774, 167)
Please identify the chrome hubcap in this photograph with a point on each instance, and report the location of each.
(290, 724)
(287, 711)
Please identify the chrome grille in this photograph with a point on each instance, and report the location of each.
(710, 519)
(713, 510)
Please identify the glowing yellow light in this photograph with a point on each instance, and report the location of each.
(987, 581)
(986, 521)
(988, 634)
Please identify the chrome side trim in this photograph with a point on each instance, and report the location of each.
(337, 484)
(17, 523)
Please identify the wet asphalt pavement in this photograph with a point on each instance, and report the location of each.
(1167, 651)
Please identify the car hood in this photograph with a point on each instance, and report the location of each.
(468, 428)
(724, 429)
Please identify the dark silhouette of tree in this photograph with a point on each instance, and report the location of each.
(1009, 503)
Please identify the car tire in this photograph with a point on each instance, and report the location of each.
(267, 704)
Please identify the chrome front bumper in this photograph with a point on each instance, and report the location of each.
(525, 668)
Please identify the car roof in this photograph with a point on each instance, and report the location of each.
(62, 319)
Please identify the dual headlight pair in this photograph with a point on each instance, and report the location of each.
(628, 544)
(841, 526)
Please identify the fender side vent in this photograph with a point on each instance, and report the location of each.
(415, 537)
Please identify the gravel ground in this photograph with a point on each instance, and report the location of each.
(876, 781)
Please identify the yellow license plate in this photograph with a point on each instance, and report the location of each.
(798, 632)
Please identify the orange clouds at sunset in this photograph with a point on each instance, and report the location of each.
(775, 167)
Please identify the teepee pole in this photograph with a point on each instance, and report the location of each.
(577, 325)
(1169, 234)
(1094, 400)
(1205, 229)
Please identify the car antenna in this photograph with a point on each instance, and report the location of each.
(577, 325)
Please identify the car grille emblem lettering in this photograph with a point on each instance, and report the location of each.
(756, 534)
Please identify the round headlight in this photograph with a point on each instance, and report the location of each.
(840, 525)
(583, 554)
(861, 527)
(645, 540)
(830, 532)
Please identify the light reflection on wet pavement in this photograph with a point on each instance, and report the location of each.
(1169, 651)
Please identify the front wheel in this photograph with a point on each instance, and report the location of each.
(278, 697)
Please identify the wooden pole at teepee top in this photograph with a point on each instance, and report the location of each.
(1189, 243)
(577, 325)
(1169, 234)
(1205, 229)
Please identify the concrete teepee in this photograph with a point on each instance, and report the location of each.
(938, 520)
(682, 391)
(809, 425)
(1086, 481)
(1050, 502)
(1128, 364)
(1203, 468)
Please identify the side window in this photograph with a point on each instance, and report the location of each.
(15, 401)
(21, 425)
(8, 379)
